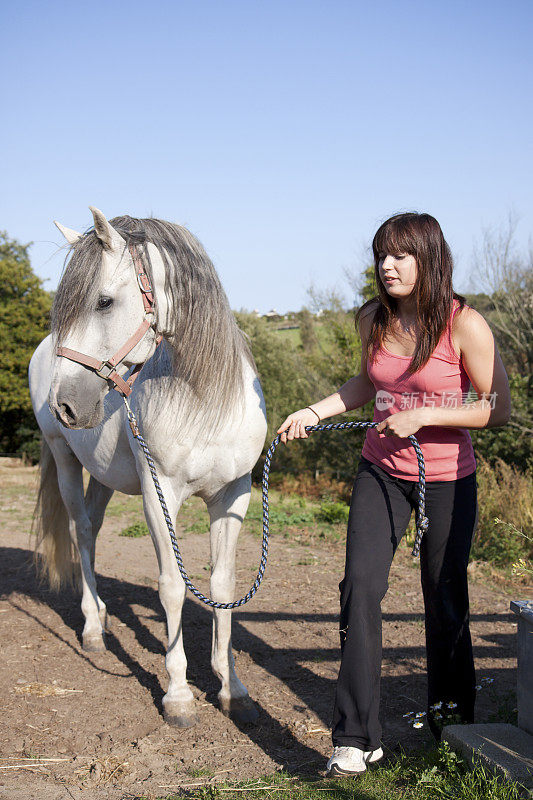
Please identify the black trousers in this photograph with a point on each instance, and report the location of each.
(380, 510)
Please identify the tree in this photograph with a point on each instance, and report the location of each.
(362, 284)
(368, 288)
(507, 305)
(308, 335)
(507, 276)
(24, 321)
(293, 375)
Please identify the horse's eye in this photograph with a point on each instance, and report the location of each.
(104, 302)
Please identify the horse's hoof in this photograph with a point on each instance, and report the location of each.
(94, 644)
(239, 709)
(180, 720)
(105, 620)
(179, 716)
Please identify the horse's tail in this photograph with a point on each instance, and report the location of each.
(57, 560)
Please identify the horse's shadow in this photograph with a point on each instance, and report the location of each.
(18, 577)
(313, 690)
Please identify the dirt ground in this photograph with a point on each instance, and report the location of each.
(79, 724)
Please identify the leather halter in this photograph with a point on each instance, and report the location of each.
(107, 369)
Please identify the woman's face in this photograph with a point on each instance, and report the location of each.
(398, 274)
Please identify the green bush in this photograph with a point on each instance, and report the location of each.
(294, 374)
(513, 442)
(136, 530)
(284, 519)
(24, 322)
(507, 494)
(333, 512)
(29, 444)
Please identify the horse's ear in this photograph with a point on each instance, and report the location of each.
(70, 235)
(110, 238)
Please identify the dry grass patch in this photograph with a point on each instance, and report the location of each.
(45, 690)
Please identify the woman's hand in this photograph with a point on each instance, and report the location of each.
(294, 425)
(402, 424)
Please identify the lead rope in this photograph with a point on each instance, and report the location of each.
(421, 520)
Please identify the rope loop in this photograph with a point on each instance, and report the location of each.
(422, 521)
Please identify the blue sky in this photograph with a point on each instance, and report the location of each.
(280, 133)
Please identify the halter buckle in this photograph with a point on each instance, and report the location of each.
(144, 283)
(105, 370)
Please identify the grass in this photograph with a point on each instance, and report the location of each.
(424, 775)
(200, 772)
(504, 494)
(122, 505)
(136, 530)
(505, 707)
(291, 336)
(298, 518)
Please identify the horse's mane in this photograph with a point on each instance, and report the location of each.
(207, 346)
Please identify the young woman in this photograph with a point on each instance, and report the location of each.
(422, 347)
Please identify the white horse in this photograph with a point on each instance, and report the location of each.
(200, 408)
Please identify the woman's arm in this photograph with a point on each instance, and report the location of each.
(485, 369)
(352, 394)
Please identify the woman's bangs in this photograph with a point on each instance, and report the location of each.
(395, 238)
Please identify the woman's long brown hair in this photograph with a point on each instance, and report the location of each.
(418, 235)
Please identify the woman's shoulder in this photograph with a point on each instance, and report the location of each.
(469, 326)
(367, 313)
(467, 318)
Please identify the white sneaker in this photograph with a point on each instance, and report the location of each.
(351, 761)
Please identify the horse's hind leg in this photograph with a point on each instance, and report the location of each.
(227, 511)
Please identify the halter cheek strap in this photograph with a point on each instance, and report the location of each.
(107, 369)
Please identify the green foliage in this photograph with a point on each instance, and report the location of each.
(508, 275)
(293, 376)
(424, 775)
(287, 380)
(506, 493)
(279, 519)
(30, 444)
(443, 773)
(200, 526)
(136, 530)
(513, 442)
(333, 512)
(308, 334)
(368, 289)
(24, 314)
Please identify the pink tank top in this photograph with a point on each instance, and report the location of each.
(443, 382)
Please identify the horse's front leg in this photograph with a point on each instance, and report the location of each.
(178, 702)
(85, 518)
(227, 511)
(96, 500)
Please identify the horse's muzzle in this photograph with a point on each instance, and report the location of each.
(76, 415)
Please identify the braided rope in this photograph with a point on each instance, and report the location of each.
(421, 522)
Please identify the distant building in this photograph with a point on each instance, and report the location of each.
(273, 315)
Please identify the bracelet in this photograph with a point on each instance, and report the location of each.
(314, 412)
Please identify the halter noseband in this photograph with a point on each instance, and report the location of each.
(107, 369)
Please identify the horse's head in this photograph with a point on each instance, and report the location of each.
(102, 313)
